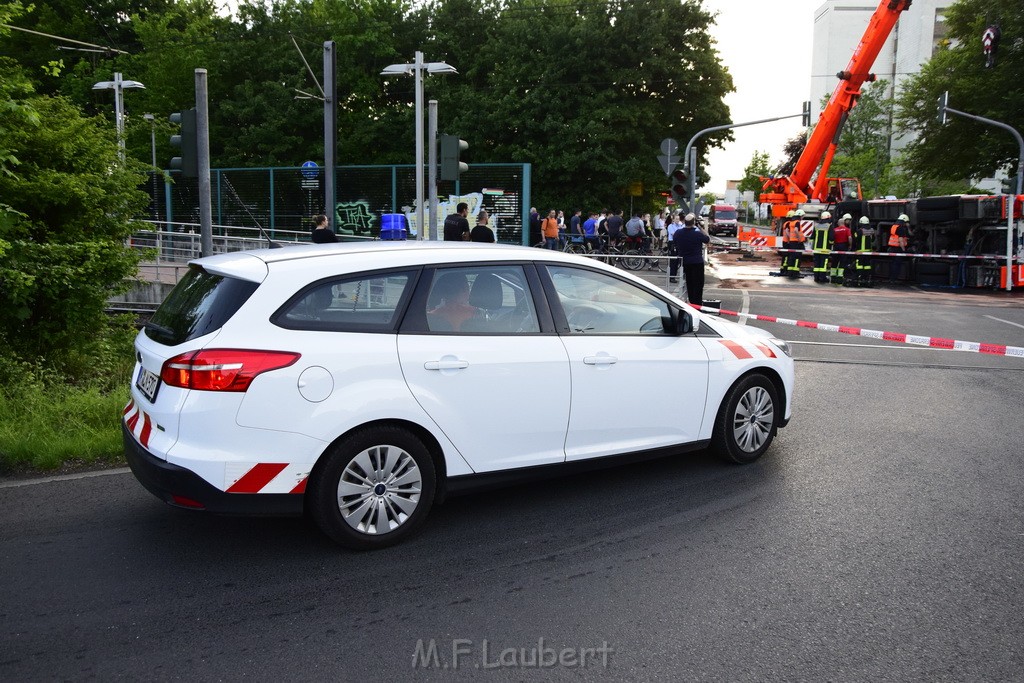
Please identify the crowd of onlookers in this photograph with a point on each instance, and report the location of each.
(600, 230)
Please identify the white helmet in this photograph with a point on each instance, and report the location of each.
(904, 217)
(864, 220)
(826, 216)
(799, 213)
(846, 217)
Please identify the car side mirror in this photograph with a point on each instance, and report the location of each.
(678, 322)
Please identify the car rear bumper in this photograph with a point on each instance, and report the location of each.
(181, 488)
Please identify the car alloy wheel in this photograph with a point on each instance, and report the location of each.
(754, 419)
(746, 422)
(374, 488)
(379, 490)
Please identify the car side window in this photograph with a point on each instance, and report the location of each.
(366, 303)
(596, 303)
(489, 299)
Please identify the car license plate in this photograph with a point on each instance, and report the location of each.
(148, 383)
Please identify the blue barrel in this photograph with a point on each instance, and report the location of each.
(392, 226)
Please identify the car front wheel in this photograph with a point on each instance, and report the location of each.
(746, 422)
(375, 488)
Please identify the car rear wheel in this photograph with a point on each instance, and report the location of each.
(375, 488)
(746, 422)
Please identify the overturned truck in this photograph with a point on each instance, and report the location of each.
(955, 240)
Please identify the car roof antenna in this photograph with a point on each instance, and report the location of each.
(231, 188)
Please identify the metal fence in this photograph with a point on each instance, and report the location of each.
(284, 200)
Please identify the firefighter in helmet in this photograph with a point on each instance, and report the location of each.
(863, 242)
(793, 238)
(899, 240)
(821, 246)
(842, 238)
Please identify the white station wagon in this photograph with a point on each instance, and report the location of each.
(363, 383)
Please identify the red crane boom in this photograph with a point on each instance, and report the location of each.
(788, 191)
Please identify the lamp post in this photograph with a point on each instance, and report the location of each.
(118, 85)
(417, 68)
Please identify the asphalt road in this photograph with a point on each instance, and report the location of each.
(879, 539)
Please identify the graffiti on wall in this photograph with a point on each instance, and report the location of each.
(353, 218)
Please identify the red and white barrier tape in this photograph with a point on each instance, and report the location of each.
(933, 342)
(958, 257)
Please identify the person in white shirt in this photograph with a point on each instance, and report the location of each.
(673, 264)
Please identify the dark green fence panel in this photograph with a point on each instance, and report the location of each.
(286, 199)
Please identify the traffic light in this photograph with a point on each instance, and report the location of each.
(451, 148)
(943, 103)
(806, 115)
(1010, 185)
(188, 162)
(680, 187)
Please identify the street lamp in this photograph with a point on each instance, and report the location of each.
(118, 85)
(417, 68)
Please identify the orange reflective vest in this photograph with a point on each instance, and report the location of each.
(791, 231)
(894, 239)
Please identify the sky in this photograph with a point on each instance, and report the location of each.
(766, 47)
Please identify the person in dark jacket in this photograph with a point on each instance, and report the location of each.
(456, 226)
(321, 233)
(689, 242)
(481, 232)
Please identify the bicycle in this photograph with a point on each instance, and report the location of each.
(634, 251)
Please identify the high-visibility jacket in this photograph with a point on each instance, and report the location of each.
(896, 240)
(791, 232)
(821, 237)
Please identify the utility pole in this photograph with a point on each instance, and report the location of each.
(330, 129)
(203, 154)
(432, 168)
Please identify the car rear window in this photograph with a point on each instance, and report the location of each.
(199, 304)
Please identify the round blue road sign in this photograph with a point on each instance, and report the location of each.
(310, 169)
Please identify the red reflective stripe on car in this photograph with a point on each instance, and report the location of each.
(133, 421)
(736, 349)
(300, 487)
(127, 408)
(258, 477)
(147, 430)
(765, 349)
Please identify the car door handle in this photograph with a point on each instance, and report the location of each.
(446, 365)
(603, 359)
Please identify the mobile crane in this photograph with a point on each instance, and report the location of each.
(802, 185)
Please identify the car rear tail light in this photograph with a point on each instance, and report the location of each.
(222, 369)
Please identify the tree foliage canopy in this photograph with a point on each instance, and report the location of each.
(68, 205)
(584, 91)
(996, 93)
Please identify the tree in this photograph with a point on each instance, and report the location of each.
(759, 166)
(792, 150)
(581, 90)
(71, 204)
(939, 153)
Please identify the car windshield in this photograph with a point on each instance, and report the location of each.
(727, 215)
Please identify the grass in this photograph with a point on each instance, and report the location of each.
(45, 428)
